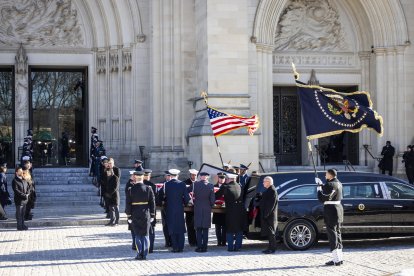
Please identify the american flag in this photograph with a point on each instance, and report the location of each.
(222, 123)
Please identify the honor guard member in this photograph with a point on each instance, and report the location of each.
(189, 216)
(226, 166)
(268, 214)
(219, 219)
(243, 176)
(235, 212)
(138, 165)
(331, 195)
(160, 200)
(140, 209)
(147, 181)
(176, 196)
(129, 184)
(203, 202)
(94, 139)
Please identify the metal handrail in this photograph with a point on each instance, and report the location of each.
(348, 165)
(370, 154)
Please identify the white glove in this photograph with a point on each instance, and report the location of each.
(152, 220)
(318, 181)
(319, 188)
(129, 221)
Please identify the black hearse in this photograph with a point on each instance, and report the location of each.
(375, 206)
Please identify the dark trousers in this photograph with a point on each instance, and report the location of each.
(114, 213)
(165, 228)
(234, 240)
(389, 172)
(20, 212)
(272, 242)
(333, 231)
(221, 234)
(2, 212)
(202, 238)
(191, 233)
(142, 243)
(177, 241)
(410, 174)
(134, 245)
(151, 238)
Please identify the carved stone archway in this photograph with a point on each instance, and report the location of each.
(380, 27)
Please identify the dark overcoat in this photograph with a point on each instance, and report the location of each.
(154, 190)
(4, 193)
(236, 218)
(141, 214)
(111, 184)
(21, 191)
(203, 202)
(175, 197)
(268, 211)
(387, 161)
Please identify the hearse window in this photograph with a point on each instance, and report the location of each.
(400, 191)
(303, 192)
(361, 190)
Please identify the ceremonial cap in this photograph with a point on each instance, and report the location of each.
(193, 171)
(173, 171)
(204, 174)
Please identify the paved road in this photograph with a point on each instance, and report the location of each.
(99, 250)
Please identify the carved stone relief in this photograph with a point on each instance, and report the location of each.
(21, 84)
(39, 23)
(332, 60)
(126, 59)
(113, 61)
(310, 25)
(101, 62)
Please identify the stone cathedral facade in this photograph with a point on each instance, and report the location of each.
(135, 70)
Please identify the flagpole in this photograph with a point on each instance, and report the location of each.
(313, 160)
(221, 158)
(204, 95)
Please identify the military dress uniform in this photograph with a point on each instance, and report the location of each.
(140, 209)
(203, 203)
(153, 223)
(176, 196)
(189, 216)
(331, 195)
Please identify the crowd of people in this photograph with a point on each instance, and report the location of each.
(386, 163)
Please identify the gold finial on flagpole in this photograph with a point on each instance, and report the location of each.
(295, 73)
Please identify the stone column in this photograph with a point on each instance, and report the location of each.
(222, 70)
(265, 105)
(381, 96)
(365, 137)
(21, 99)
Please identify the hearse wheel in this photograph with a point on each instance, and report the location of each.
(299, 235)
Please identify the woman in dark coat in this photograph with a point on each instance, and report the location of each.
(32, 192)
(387, 161)
(268, 214)
(203, 202)
(111, 183)
(4, 193)
(236, 220)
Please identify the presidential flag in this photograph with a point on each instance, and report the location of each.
(327, 112)
(222, 123)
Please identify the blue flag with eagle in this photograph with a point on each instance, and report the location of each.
(327, 112)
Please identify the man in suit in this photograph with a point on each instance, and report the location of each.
(387, 161)
(160, 200)
(21, 195)
(268, 214)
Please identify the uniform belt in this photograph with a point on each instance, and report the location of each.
(331, 202)
(139, 203)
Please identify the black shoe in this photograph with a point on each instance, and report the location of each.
(174, 251)
(151, 251)
(25, 227)
(4, 218)
(179, 251)
(268, 251)
(138, 257)
(230, 250)
(144, 258)
(223, 244)
(203, 250)
(198, 250)
(236, 250)
(110, 224)
(193, 244)
(331, 263)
